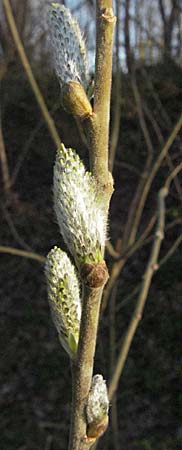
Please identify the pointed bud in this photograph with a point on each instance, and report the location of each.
(80, 217)
(68, 46)
(64, 298)
(75, 100)
(97, 408)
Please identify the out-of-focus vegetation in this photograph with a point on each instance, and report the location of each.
(35, 376)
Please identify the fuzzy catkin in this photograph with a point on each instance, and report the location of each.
(98, 403)
(69, 52)
(64, 298)
(80, 216)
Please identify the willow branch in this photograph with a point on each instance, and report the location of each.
(29, 73)
(97, 128)
(83, 367)
(98, 124)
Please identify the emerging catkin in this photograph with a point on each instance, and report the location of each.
(98, 403)
(69, 52)
(79, 214)
(64, 298)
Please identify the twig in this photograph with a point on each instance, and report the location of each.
(152, 266)
(29, 73)
(48, 443)
(13, 229)
(161, 141)
(128, 166)
(83, 366)
(173, 248)
(111, 250)
(117, 267)
(137, 315)
(153, 171)
(117, 96)
(141, 117)
(98, 125)
(27, 147)
(23, 253)
(162, 112)
(172, 175)
(4, 163)
(140, 241)
(131, 226)
(114, 412)
(122, 258)
(128, 297)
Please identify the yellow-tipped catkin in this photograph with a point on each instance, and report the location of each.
(64, 298)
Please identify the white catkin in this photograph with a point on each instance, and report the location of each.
(79, 214)
(64, 298)
(68, 46)
(98, 403)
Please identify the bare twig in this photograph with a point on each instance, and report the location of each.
(114, 412)
(151, 175)
(122, 258)
(137, 315)
(173, 248)
(4, 163)
(117, 96)
(29, 73)
(48, 443)
(128, 297)
(13, 229)
(23, 253)
(111, 250)
(152, 266)
(131, 226)
(128, 166)
(161, 141)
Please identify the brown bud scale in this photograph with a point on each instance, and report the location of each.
(94, 275)
(95, 430)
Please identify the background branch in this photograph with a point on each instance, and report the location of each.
(29, 73)
(23, 253)
(137, 315)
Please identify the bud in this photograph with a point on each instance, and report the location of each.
(75, 100)
(64, 298)
(79, 214)
(97, 408)
(69, 53)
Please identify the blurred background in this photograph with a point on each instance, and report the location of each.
(145, 106)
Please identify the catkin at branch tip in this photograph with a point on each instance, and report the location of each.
(69, 52)
(64, 298)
